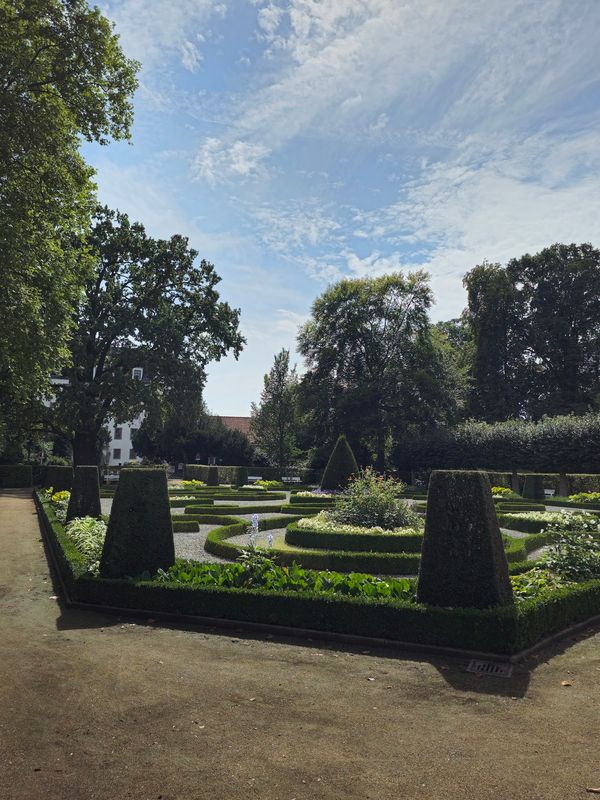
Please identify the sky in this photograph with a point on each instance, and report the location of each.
(298, 142)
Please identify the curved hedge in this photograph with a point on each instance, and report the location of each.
(309, 501)
(354, 542)
(231, 509)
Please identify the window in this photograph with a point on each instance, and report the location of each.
(137, 373)
(118, 433)
(132, 455)
(117, 452)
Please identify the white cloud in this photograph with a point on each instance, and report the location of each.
(217, 162)
(290, 227)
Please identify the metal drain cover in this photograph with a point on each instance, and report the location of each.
(496, 668)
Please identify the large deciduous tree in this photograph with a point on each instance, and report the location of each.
(62, 77)
(374, 365)
(147, 304)
(274, 420)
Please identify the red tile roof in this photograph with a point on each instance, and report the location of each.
(241, 424)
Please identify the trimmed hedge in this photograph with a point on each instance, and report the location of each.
(462, 560)
(507, 507)
(175, 502)
(340, 467)
(139, 536)
(305, 511)
(240, 476)
(212, 476)
(504, 630)
(533, 488)
(85, 494)
(309, 501)
(360, 542)
(15, 476)
(230, 509)
(185, 526)
(58, 477)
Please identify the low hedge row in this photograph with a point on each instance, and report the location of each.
(185, 525)
(231, 509)
(305, 511)
(504, 630)
(509, 507)
(326, 502)
(566, 503)
(176, 502)
(354, 542)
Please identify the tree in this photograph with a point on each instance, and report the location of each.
(372, 361)
(495, 315)
(147, 304)
(62, 77)
(560, 297)
(274, 421)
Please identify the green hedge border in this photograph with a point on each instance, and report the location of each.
(503, 632)
(353, 542)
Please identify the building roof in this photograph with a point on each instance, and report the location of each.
(241, 424)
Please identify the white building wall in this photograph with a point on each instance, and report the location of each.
(120, 449)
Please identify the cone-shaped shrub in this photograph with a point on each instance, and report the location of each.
(59, 477)
(139, 537)
(340, 467)
(463, 563)
(85, 494)
(212, 476)
(534, 487)
(240, 476)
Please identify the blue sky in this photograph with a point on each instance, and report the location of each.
(296, 142)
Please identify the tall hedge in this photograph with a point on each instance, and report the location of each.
(85, 494)
(340, 467)
(533, 487)
(195, 472)
(58, 477)
(463, 563)
(139, 537)
(15, 476)
(566, 444)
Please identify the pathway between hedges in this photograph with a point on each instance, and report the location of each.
(96, 708)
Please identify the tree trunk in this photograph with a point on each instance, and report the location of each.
(85, 447)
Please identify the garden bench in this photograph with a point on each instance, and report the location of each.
(290, 480)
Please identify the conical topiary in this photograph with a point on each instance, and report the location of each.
(463, 563)
(85, 494)
(139, 537)
(212, 476)
(533, 487)
(340, 467)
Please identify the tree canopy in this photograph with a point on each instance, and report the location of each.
(62, 76)
(146, 304)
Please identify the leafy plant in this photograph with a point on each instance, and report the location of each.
(88, 534)
(585, 497)
(325, 522)
(536, 583)
(504, 492)
(576, 554)
(371, 501)
(193, 484)
(269, 484)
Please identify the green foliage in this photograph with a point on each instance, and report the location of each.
(151, 292)
(375, 365)
(340, 467)
(193, 484)
(139, 537)
(554, 444)
(504, 492)
(575, 555)
(275, 419)
(270, 484)
(321, 532)
(88, 535)
(585, 497)
(257, 570)
(63, 76)
(462, 560)
(15, 476)
(370, 501)
(212, 476)
(536, 583)
(85, 494)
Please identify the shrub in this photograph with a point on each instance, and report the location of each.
(239, 476)
(15, 476)
(197, 472)
(463, 563)
(371, 501)
(585, 497)
(88, 535)
(533, 487)
(61, 478)
(326, 521)
(340, 467)
(212, 476)
(85, 495)
(139, 537)
(269, 484)
(503, 492)
(576, 553)
(193, 484)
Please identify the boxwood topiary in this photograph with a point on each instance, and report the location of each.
(139, 537)
(533, 488)
(85, 494)
(463, 563)
(340, 467)
(240, 476)
(212, 476)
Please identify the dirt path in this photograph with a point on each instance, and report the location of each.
(93, 708)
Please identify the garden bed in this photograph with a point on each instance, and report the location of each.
(501, 632)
